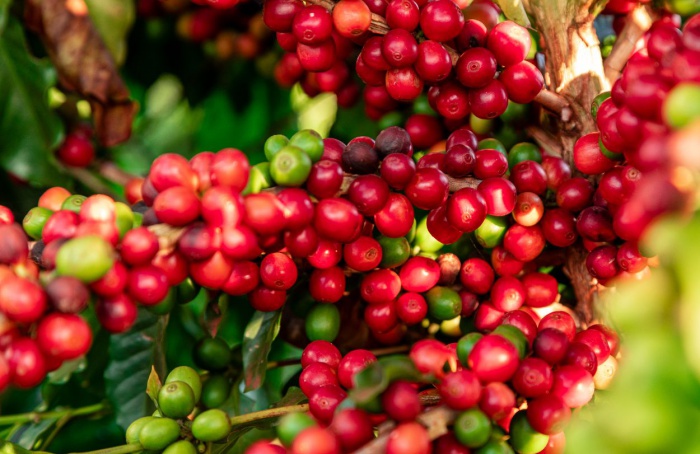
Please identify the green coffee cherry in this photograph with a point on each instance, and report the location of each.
(495, 447)
(491, 232)
(189, 376)
(424, 240)
(74, 203)
(211, 425)
(187, 291)
(181, 447)
(524, 438)
(393, 118)
(514, 112)
(138, 220)
(274, 144)
(480, 126)
(123, 218)
(259, 179)
(395, 251)
(465, 345)
(609, 154)
(473, 428)
(491, 144)
(290, 166)
(310, 142)
(134, 429)
(87, 258)
(597, 101)
(291, 424)
(159, 433)
(523, 151)
(323, 322)
(176, 399)
(215, 391)
(443, 303)
(421, 105)
(33, 223)
(212, 354)
(166, 305)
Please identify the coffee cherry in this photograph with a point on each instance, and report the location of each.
(211, 425)
(212, 354)
(441, 20)
(408, 438)
(476, 67)
(21, 300)
(573, 385)
(396, 218)
(380, 286)
(411, 308)
(579, 354)
(323, 323)
(324, 401)
(493, 358)
(419, 274)
(176, 399)
(351, 19)
(351, 364)
(548, 414)
(353, 428)
(189, 376)
(315, 440)
(327, 285)
(76, 150)
(360, 158)
(338, 220)
(472, 428)
(523, 437)
(460, 390)
(63, 336)
(321, 352)
(509, 42)
(116, 314)
(278, 271)
(26, 363)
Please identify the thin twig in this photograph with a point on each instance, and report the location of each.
(111, 171)
(545, 140)
(556, 103)
(639, 20)
(90, 181)
(34, 416)
(265, 414)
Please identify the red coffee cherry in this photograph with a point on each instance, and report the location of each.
(278, 271)
(351, 364)
(21, 300)
(327, 285)
(460, 390)
(63, 336)
(244, 278)
(320, 351)
(139, 246)
(26, 363)
(116, 314)
(147, 285)
(408, 438)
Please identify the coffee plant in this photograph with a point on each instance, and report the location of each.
(352, 226)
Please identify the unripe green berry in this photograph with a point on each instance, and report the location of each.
(181, 447)
(176, 399)
(211, 425)
(33, 223)
(159, 433)
(134, 429)
(189, 376)
(87, 258)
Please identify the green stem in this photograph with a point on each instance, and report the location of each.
(37, 416)
(264, 414)
(123, 449)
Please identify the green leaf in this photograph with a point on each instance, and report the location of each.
(515, 11)
(113, 20)
(30, 130)
(132, 355)
(32, 435)
(153, 386)
(10, 448)
(257, 341)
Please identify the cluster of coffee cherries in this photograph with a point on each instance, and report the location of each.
(510, 390)
(486, 68)
(169, 429)
(227, 28)
(639, 167)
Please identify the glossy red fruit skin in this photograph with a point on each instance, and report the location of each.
(460, 390)
(327, 254)
(396, 218)
(523, 82)
(301, 243)
(278, 271)
(602, 262)
(21, 300)
(466, 209)
(551, 345)
(279, 15)
(561, 321)
(596, 341)
(533, 378)
(476, 67)
(503, 262)
(507, 294)
(529, 209)
(315, 376)
(353, 427)
(557, 171)
(26, 363)
(441, 20)
(312, 25)
(487, 317)
(397, 170)
(76, 151)
(351, 19)
(509, 42)
(116, 314)
(581, 355)
(324, 179)
(327, 285)
(529, 176)
(497, 400)
(499, 194)
(540, 289)
(222, 206)
(476, 275)
(524, 320)
(177, 206)
(401, 402)
(139, 246)
(369, 193)
(433, 64)
(351, 364)
(61, 224)
(452, 101)
(338, 220)
(63, 336)
(425, 130)
(588, 157)
(171, 170)
(320, 351)
(409, 438)
(363, 254)
(324, 401)
(427, 189)
(489, 101)
(439, 227)
(380, 286)
(147, 285)
(524, 243)
(5, 374)
(419, 274)
(493, 358)
(548, 414)
(559, 227)
(573, 385)
(316, 440)
(430, 356)
(243, 279)
(411, 308)
(575, 194)
(266, 299)
(67, 294)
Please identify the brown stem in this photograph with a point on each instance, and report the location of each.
(585, 287)
(547, 141)
(167, 236)
(436, 421)
(112, 172)
(638, 22)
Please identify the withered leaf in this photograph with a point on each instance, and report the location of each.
(84, 64)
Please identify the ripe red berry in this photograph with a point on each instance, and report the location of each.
(548, 414)
(320, 351)
(550, 345)
(419, 274)
(400, 401)
(476, 67)
(396, 218)
(408, 438)
(460, 390)
(243, 279)
(22, 300)
(139, 246)
(324, 401)
(76, 150)
(278, 271)
(533, 377)
(369, 193)
(266, 299)
(351, 364)
(441, 20)
(353, 427)
(327, 285)
(466, 209)
(26, 363)
(509, 42)
(476, 275)
(147, 285)
(63, 336)
(338, 220)
(507, 294)
(573, 385)
(497, 400)
(411, 308)
(493, 358)
(363, 254)
(177, 206)
(315, 440)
